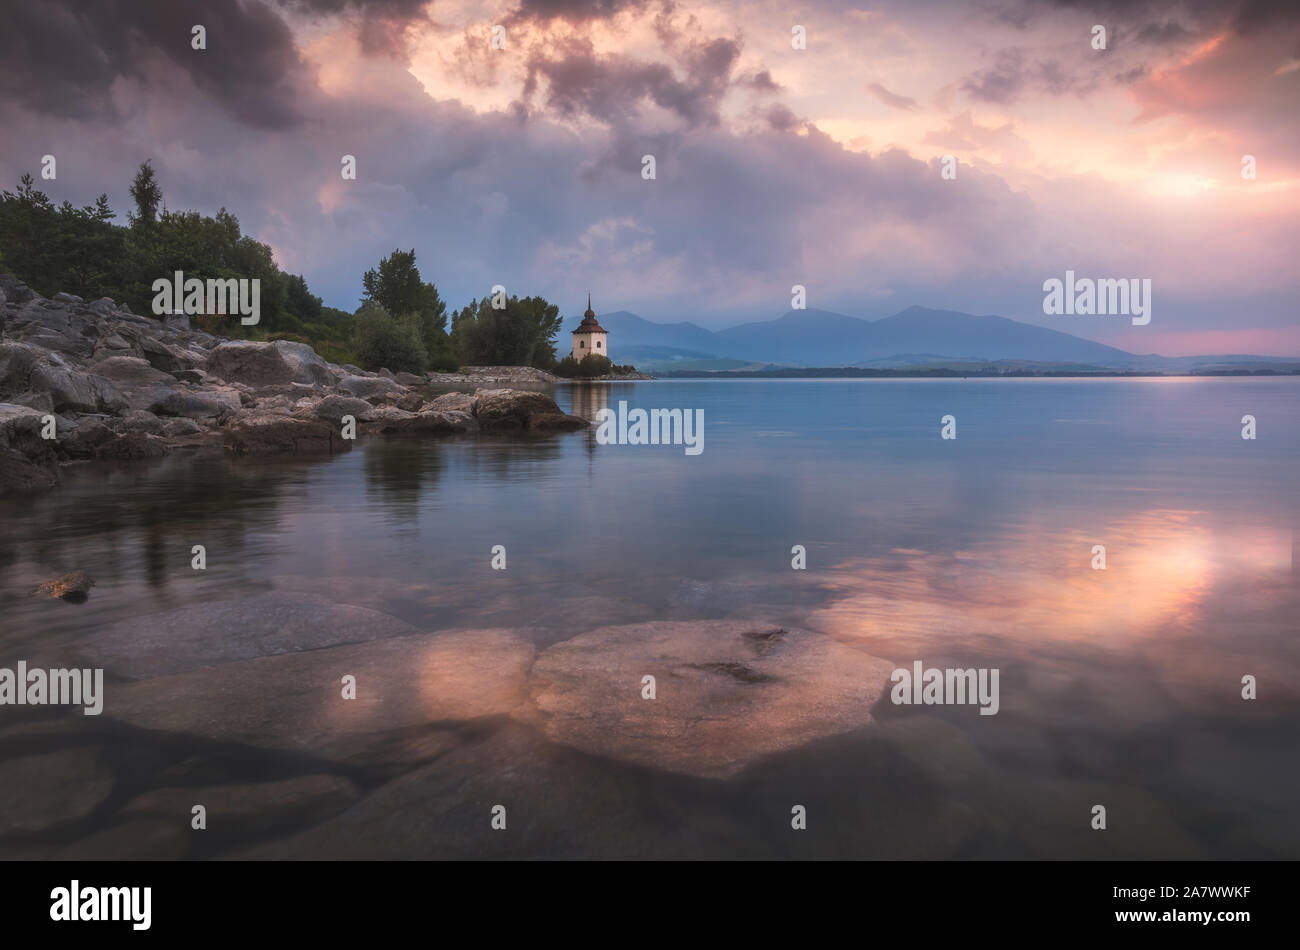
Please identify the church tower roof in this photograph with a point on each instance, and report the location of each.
(589, 323)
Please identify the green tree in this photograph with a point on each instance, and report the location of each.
(522, 333)
(147, 194)
(301, 301)
(382, 341)
(396, 286)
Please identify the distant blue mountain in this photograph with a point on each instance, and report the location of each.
(824, 338)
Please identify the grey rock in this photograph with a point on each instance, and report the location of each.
(460, 402)
(304, 363)
(372, 388)
(41, 792)
(137, 420)
(15, 291)
(730, 692)
(220, 632)
(256, 364)
(197, 404)
(407, 679)
(390, 422)
(23, 475)
(132, 446)
(251, 810)
(515, 408)
(70, 390)
(177, 428)
(334, 408)
(41, 402)
(18, 422)
(256, 432)
(17, 360)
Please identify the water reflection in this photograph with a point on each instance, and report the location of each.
(1123, 683)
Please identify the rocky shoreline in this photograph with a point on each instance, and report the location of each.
(83, 381)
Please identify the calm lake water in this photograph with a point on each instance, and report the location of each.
(1119, 687)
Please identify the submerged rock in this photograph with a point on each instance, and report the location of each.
(74, 587)
(224, 631)
(407, 681)
(727, 692)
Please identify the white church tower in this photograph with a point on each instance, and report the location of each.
(590, 337)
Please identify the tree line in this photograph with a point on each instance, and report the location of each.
(402, 322)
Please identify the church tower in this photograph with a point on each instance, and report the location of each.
(590, 337)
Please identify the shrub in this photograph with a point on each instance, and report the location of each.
(381, 341)
(589, 367)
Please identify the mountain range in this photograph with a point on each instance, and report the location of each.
(915, 337)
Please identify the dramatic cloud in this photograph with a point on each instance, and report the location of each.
(64, 57)
(774, 166)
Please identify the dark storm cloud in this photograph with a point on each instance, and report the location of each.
(1161, 34)
(1014, 75)
(61, 57)
(611, 88)
(1255, 15)
(1163, 22)
(572, 11)
(760, 81)
(381, 26)
(781, 119)
(1003, 82)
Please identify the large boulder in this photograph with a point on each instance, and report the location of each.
(17, 360)
(729, 692)
(254, 364)
(70, 389)
(515, 409)
(130, 371)
(59, 325)
(14, 291)
(304, 363)
(255, 432)
(268, 364)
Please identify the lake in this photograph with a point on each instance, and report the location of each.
(1120, 687)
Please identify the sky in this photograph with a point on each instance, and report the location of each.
(774, 166)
